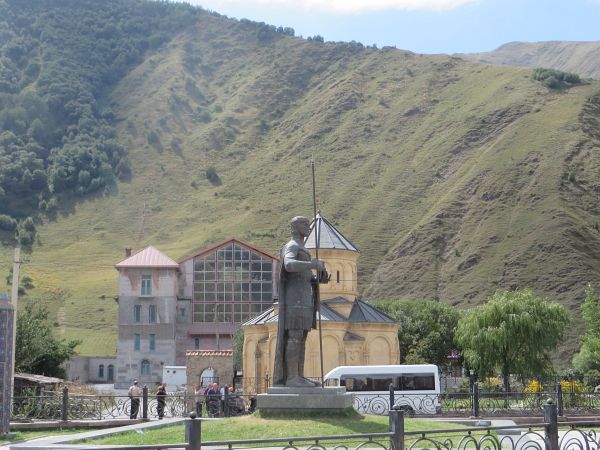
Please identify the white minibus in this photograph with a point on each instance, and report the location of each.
(416, 387)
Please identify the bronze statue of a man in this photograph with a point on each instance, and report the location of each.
(297, 307)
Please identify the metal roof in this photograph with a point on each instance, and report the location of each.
(40, 379)
(329, 236)
(234, 240)
(269, 316)
(149, 257)
(363, 312)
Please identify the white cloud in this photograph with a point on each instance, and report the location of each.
(339, 6)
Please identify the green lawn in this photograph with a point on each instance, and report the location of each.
(25, 435)
(252, 427)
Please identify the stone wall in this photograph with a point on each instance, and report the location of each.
(198, 361)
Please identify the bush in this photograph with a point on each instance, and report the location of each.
(533, 387)
(7, 223)
(213, 176)
(573, 393)
(555, 79)
(491, 384)
(153, 138)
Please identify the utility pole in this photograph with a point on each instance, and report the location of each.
(14, 299)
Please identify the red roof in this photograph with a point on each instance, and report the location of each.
(209, 353)
(149, 257)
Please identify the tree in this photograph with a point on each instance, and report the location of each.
(426, 329)
(588, 357)
(37, 350)
(513, 332)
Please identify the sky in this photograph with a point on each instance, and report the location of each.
(424, 26)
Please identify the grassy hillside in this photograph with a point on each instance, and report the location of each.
(453, 178)
(582, 58)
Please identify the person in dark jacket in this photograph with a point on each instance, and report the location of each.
(161, 397)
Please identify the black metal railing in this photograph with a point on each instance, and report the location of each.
(66, 406)
(548, 435)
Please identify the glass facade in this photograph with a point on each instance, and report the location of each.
(231, 284)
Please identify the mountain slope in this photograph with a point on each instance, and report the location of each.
(582, 58)
(453, 178)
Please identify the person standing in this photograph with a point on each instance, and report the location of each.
(212, 398)
(161, 396)
(198, 397)
(134, 393)
(223, 392)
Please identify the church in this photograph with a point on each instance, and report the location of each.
(353, 332)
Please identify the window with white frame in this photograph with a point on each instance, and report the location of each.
(146, 285)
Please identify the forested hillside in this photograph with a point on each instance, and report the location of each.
(58, 59)
(582, 58)
(453, 178)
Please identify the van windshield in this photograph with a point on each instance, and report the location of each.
(403, 382)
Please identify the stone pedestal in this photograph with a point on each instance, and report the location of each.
(304, 400)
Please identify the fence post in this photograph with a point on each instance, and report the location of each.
(392, 399)
(397, 427)
(551, 419)
(145, 402)
(193, 432)
(559, 399)
(64, 416)
(475, 400)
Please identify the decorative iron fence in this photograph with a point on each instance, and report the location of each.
(548, 435)
(478, 403)
(64, 406)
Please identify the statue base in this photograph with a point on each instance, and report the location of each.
(304, 400)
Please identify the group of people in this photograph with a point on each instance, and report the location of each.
(219, 400)
(135, 393)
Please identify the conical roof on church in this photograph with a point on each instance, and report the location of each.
(150, 257)
(329, 236)
(363, 312)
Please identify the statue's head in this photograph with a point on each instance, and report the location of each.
(300, 225)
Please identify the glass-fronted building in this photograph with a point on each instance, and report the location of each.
(231, 284)
(168, 307)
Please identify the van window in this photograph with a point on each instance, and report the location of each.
(417, 382)
(404, 382)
